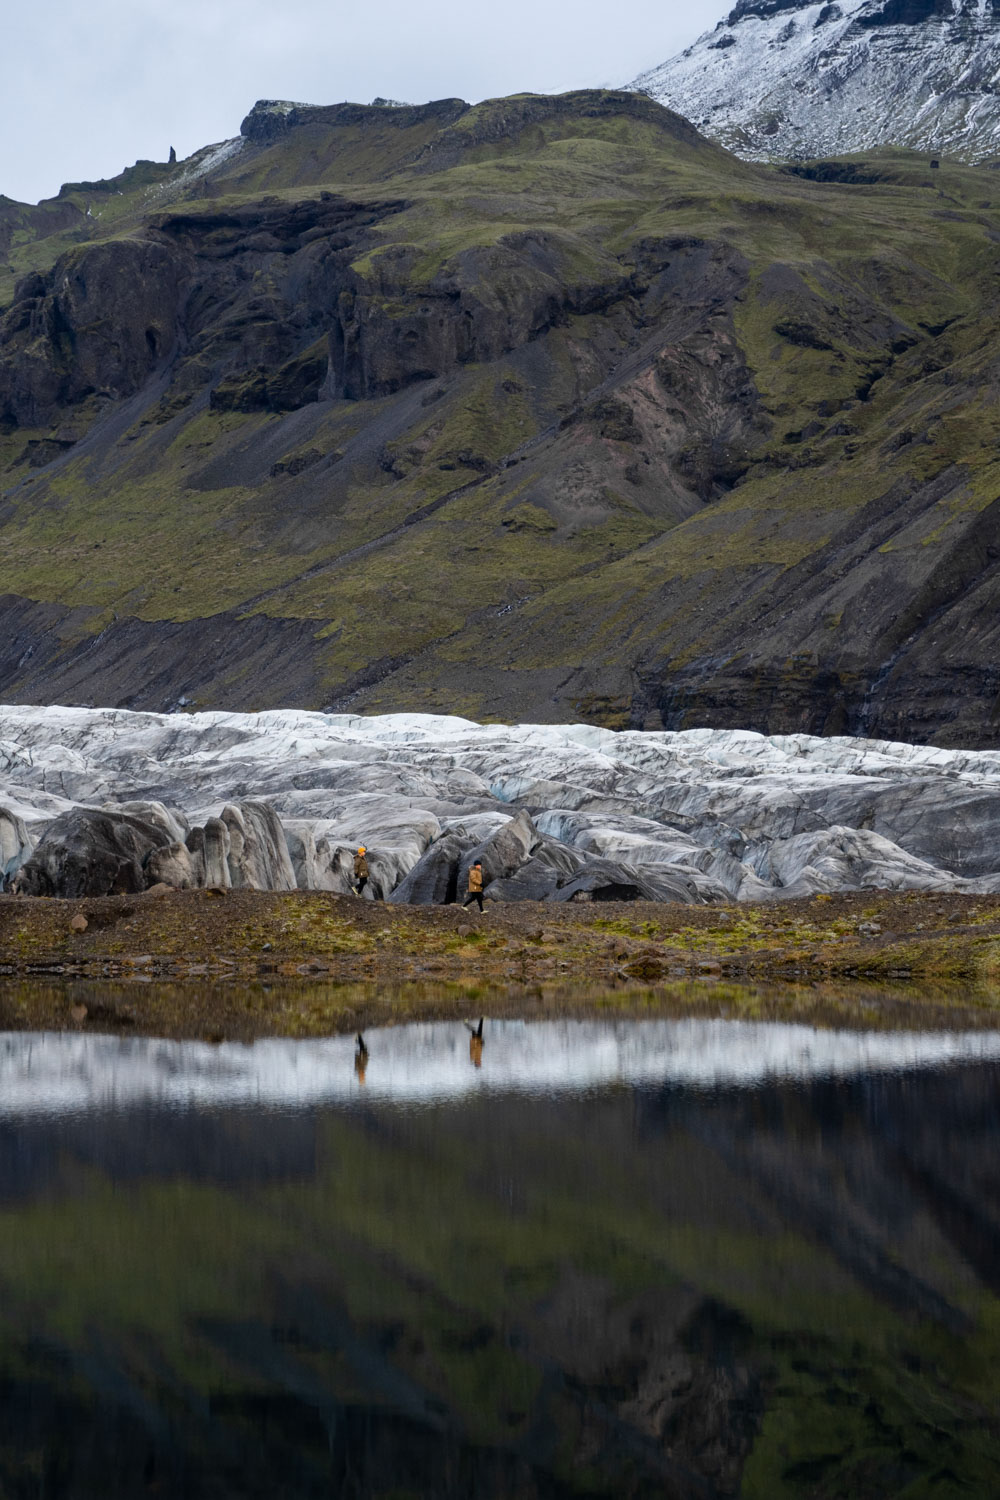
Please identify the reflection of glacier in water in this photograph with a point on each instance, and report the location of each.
(52, 1073)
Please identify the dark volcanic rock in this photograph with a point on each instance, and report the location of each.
(99, 323)
(905, 13)
(149, 663)
(271, 119)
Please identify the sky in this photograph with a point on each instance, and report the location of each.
(90, 86)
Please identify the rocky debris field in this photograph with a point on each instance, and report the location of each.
(106, 802)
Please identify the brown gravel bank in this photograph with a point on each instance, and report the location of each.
(870, 935)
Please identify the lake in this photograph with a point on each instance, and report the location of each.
(602, 1257)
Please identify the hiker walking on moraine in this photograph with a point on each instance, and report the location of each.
(360, 870)
(475, 884)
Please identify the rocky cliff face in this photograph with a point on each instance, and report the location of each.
(782, 78)
(546, 408)
(97, 324)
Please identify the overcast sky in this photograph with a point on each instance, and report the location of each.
(90, 86)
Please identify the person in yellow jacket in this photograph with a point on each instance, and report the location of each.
(475, 884)
(360, 870)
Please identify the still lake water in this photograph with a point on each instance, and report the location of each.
(605, 1258)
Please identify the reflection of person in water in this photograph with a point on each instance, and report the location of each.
(476, 1044)
(360, 1059)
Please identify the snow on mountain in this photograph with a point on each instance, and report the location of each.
(779, 79)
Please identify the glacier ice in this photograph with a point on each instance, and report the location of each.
(695, 815)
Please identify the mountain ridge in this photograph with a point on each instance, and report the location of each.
(779, 79)
(542, 408)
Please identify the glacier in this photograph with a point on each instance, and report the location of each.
(281, 799)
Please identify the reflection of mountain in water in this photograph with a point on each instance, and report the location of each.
(780, 1290)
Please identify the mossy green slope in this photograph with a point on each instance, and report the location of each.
(545, 408)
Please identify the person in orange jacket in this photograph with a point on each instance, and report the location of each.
(475, 884)
(360, 870)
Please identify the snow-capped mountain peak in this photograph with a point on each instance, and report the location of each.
(782, 78)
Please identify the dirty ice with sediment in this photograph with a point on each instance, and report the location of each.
(282, 798)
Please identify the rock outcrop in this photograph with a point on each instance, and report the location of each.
(101, 321)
